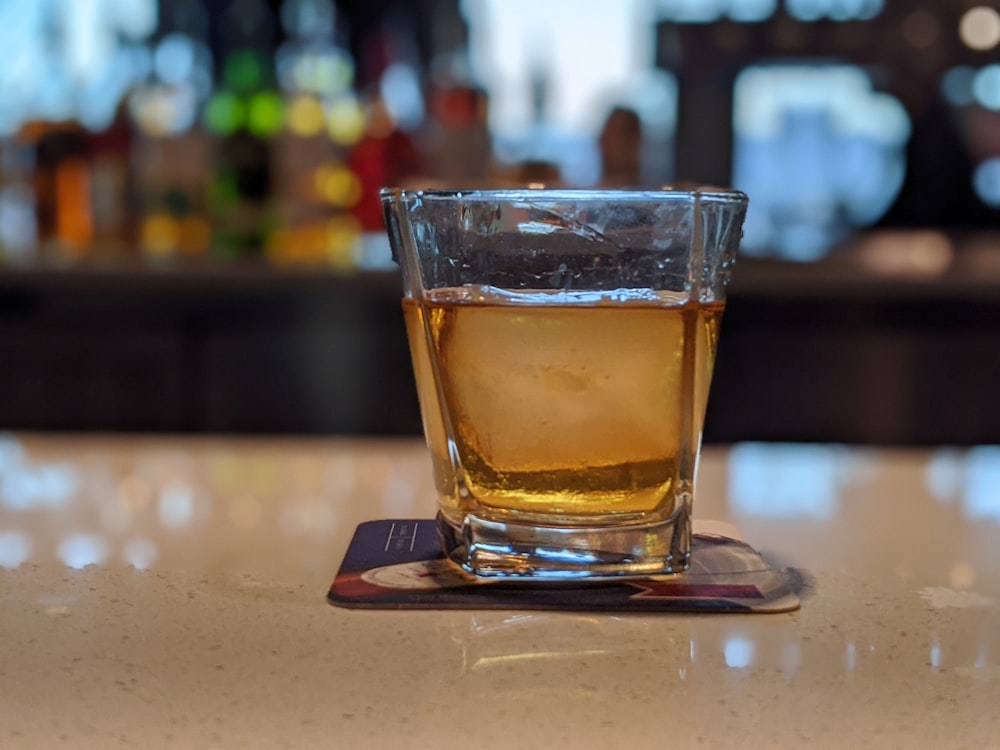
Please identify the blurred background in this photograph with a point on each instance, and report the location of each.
(190, 238)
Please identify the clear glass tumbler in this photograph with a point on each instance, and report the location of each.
(563, 344)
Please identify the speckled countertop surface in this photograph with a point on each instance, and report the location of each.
(170, 593)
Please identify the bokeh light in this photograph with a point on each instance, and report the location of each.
(305, 116)
(175, 507)
(243, 71)
(783, 480)
(820, 149)
(921, 29)
(836, 10)
(751, 11)
(318, 68)
(342, 233)
(986, 87)
(225, 113)
(159, 234)
(174, 58)
(66, 60)
(78, 550)
(265, 114)
(308, 18)
(140, 553)
(400, 90)
(979, 28)
(707, 11)
(956, 86)
(981, 496)
(164, 110)
(345, 120)
(24, 486)
(986, 182)
(338, 186)
(194, 235)
(738, 653)
(15, 549)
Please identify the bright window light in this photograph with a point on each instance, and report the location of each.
(819, 150)
(529, 57)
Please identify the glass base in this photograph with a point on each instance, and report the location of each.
(492, 549)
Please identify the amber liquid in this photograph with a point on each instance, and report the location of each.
(561, 407)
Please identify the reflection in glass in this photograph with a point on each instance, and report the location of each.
(783, 480)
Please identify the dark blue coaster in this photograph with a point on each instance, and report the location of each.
(398, 564)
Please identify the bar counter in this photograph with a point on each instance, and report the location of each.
(170, 592)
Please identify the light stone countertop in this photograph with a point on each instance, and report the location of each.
(170, 593)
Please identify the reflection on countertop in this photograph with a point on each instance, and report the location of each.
(169, 591)
(152, 504)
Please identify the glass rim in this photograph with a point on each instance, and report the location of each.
(527, 192)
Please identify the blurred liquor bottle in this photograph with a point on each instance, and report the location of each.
(456, 137)
(246, 112)
(171, 155)
(111, 197)
(385, 156)
(62, 188)
(313, 188)
(390, 79)
(172, 183)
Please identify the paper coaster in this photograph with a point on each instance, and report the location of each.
(398, 564)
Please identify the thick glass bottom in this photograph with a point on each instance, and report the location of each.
(503, 549)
